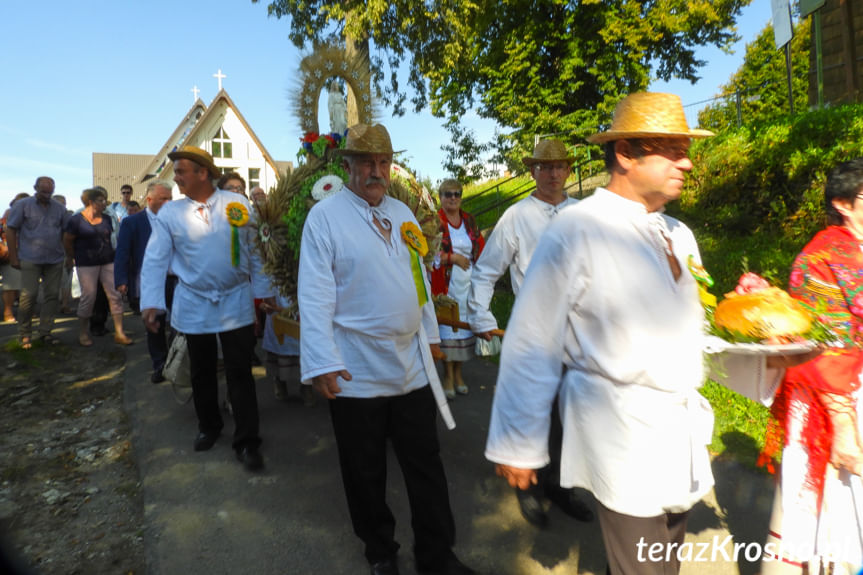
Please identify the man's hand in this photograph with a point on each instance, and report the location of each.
(69, 262)
(327, 384)
(122, 289)
(151, 322)
(436, 353)
(516, 476)
(14, 261)
(486, 335)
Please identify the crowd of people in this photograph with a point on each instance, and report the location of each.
(600, 366)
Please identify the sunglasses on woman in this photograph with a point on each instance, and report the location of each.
(451, 194)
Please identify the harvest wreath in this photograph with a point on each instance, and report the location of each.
(320, 174)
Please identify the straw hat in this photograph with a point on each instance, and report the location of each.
(197, 155)
(648, 115)
(548, 151)
(365, 139)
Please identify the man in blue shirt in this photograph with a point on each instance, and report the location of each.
(35, 237)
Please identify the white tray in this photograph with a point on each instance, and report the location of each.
(718, 345)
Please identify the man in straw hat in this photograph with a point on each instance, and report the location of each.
(207, 241)
(609, 319)
(367, 329)
(511, 245)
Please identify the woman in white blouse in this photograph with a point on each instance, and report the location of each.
(461, 245)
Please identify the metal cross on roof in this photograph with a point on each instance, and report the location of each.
(218, 75)
(195, 91)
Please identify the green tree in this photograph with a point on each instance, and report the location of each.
(762, 82)
(532, 66)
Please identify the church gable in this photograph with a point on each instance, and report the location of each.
(220, 129)
(225, 134)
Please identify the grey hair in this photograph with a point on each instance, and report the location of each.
(153, 184)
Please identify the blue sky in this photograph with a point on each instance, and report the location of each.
(116, 76)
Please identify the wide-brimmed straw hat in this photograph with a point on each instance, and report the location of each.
(548, 151)
(199, 156)
(648, 115)
(364, 139)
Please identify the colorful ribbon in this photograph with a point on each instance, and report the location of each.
(417, 270)
(235, 246)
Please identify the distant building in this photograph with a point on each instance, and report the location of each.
(841, 52)
(220, 129)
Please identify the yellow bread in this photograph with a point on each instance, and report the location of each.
(767, 313)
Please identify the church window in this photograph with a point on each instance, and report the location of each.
(254, 177)
(222, 144)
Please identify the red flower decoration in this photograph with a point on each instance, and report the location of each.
(750, 282)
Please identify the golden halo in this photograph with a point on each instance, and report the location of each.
(329, 61)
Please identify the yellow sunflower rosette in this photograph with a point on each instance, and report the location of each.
(416, 243)
(238, 216)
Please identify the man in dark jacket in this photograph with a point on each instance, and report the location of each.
(131, 246)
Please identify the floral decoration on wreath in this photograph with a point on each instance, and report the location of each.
(264, 232)
(238, 216)
(317, 144)
(326, 186)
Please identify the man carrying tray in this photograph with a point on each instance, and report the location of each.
(367, 329)
(609, 318)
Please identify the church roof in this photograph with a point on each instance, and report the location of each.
(177, 138)
(189, 132)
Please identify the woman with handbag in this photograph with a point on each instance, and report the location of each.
(88, 241)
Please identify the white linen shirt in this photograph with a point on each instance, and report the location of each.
(601, 319)
(212, 295)
(358, 302)
(511, 245)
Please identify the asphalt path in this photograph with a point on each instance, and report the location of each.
(205, 514)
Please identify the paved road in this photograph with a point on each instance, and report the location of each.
(204, 514)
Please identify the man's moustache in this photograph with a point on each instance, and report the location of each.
(379, 181)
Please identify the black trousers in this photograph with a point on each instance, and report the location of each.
(237, 354)
(628, 542)
(362, 427)
(157, 343)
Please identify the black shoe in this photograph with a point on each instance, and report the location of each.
(451, 566)
(387, 566)
(570, 504)
(157, 377)
(98, 331)
(205, 441)
(531, 508)
(251, 458)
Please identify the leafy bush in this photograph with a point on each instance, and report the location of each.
(757, 191)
